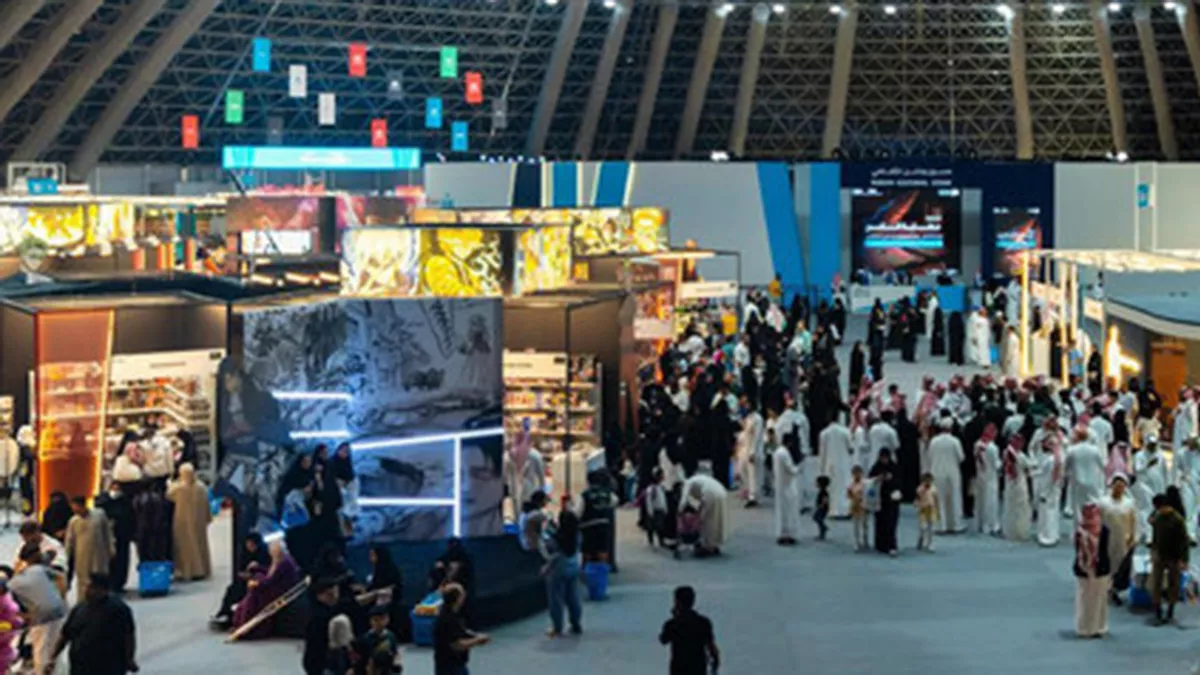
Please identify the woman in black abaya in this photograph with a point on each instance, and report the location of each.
(937, 339)
(858, 368)
(908, 457)
(958, 335)
(887, 479)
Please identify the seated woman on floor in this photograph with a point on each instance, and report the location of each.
(253, 557)
(265, 586)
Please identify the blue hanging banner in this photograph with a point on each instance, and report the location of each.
(41, 186)
(458, 137)
(262, 55)
(433, 113)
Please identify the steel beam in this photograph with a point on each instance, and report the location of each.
(706, 56)
(603, 78)
(668, 16)
(14, 15)
(1020, 83)
(95, 62)
(1108, 70)
(1190, 27)
(748, 81)
(556, 71)
(134, 89)
(839, 83)
(1158, 88)
(47, 46)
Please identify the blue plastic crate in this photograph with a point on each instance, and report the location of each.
(154, 578)
(422, 630)
(595, 576)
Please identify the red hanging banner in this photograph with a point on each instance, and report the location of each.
(190, 132)
(358, 59)
(474, 84)
(379, 133)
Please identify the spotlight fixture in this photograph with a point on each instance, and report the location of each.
(1005, 10)
(890, 10)
(719, 156)
(1170, 6)
(835, 9)
(1122, 156)
(1114, 6)
(1058, 8)
(778, 8)
(724, 10)
(610, 4)
(551, 3)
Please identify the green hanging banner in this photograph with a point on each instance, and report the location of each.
(235, 109)
(449, 62)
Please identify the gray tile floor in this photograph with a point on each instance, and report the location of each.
(976, 606)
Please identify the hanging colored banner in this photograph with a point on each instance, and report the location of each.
(275, 130)
(458, 137)
(395, 85)
(189, 128)
(327, 109)
(262, 55)
(499, 114)
(358, 59)
(474, 85)
(448, 63)
(379, 133)
(297, 81)
(235, 110)
(433, 113)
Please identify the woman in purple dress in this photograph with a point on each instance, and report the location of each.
(264, 587)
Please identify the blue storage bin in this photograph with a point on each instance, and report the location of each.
(154, 578)
(1139, 596)
(595, 576)
(512, 528)
(422, 630)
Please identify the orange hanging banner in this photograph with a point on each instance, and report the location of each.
(474, 86)
(190, 132)
(358, 59)
(379, 133)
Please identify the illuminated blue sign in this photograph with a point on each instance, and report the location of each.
(319, 159)
(41, 186)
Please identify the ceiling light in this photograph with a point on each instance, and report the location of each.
(1114, 6)
(551, 2)
(1005, 10)
(890, 10)
(1122, 156)
(778, 8)
(1058, 8)
(1170, 6)
(835, 9)
(610, 4)
(724, 10)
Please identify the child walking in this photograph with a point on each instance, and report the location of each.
(857, 493)
(822, 509)
(927, 512)
(654, 508)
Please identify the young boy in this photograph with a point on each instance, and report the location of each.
(857, 492)
(654, 508)
(927, 512)
(822, 509)
(378, 640)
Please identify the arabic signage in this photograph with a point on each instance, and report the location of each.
(234, 157)
(911, 177)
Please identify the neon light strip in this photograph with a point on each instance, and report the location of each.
(421, 440)
(274, 536)
(407, 501)
(311, 435)
(311, 396)
(458, 486)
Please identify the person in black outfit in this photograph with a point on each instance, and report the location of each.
(958, 334)
(908, 332)
(101, 633)
(876, 356)
(690, 636)
(937, 338)
(888, 515)
(119, 509)
(386, 575)
(56, 515)
(452, 640)
(908, 456)
(722, 432)
(316, 633)
(838, 316)
(858, 368)
(253, 555)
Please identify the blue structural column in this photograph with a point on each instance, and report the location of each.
(564, 185)
(779, 214)
(611, 183)
(825, 225)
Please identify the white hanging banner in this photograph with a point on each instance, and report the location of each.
(327, 109)
(297, 81)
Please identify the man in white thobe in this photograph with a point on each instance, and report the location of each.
(1185, 421)
(750, 454)
(979, 340)
(1187, 477)
(787, 492)
(1101, 427)
(882, 436)
(1150, 473)
(836, 459)
(1085, 471)
(712, 500)
(945, 463)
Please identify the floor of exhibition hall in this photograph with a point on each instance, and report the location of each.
(978, 605)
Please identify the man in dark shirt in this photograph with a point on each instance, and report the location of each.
(101, 633)
(1169, 549)
(690, 636)
(452, 640)
(316, 634)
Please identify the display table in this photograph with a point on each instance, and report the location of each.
(862, 298)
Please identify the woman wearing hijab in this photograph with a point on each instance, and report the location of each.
(1018, 514)
(298, 477)
(858, 367)
(1120, 517)
(386, 575)
(908, 457)
(887, 482)
(252, 556)
(342, 467)
(958, 335)
(56, 516)
(189, 526)
(937, 338)
(1092, 570)
(264, 586)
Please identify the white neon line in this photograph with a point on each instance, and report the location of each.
(421, 440)
(308, 435)
(311, 396)
(274, 536)
(405, 501)
(458, 487)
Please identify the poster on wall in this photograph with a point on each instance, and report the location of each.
(444, 262)
(618, 231)
(916, 231)
(1018, 229)
(364, 211)
(56, 226)
(543, 259)
(375, 374)
(273, 213)
(380, 263)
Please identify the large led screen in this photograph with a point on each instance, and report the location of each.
(363, 211)
(600, 232)
(273, 213)
(422, 262)
(1017, 230)
(917, 231)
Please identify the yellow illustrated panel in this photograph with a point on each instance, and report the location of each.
(461, 263)
(380, 263)
(543, 259)
(617, 231)
(56, 226)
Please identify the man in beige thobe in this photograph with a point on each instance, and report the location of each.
(90, 544)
